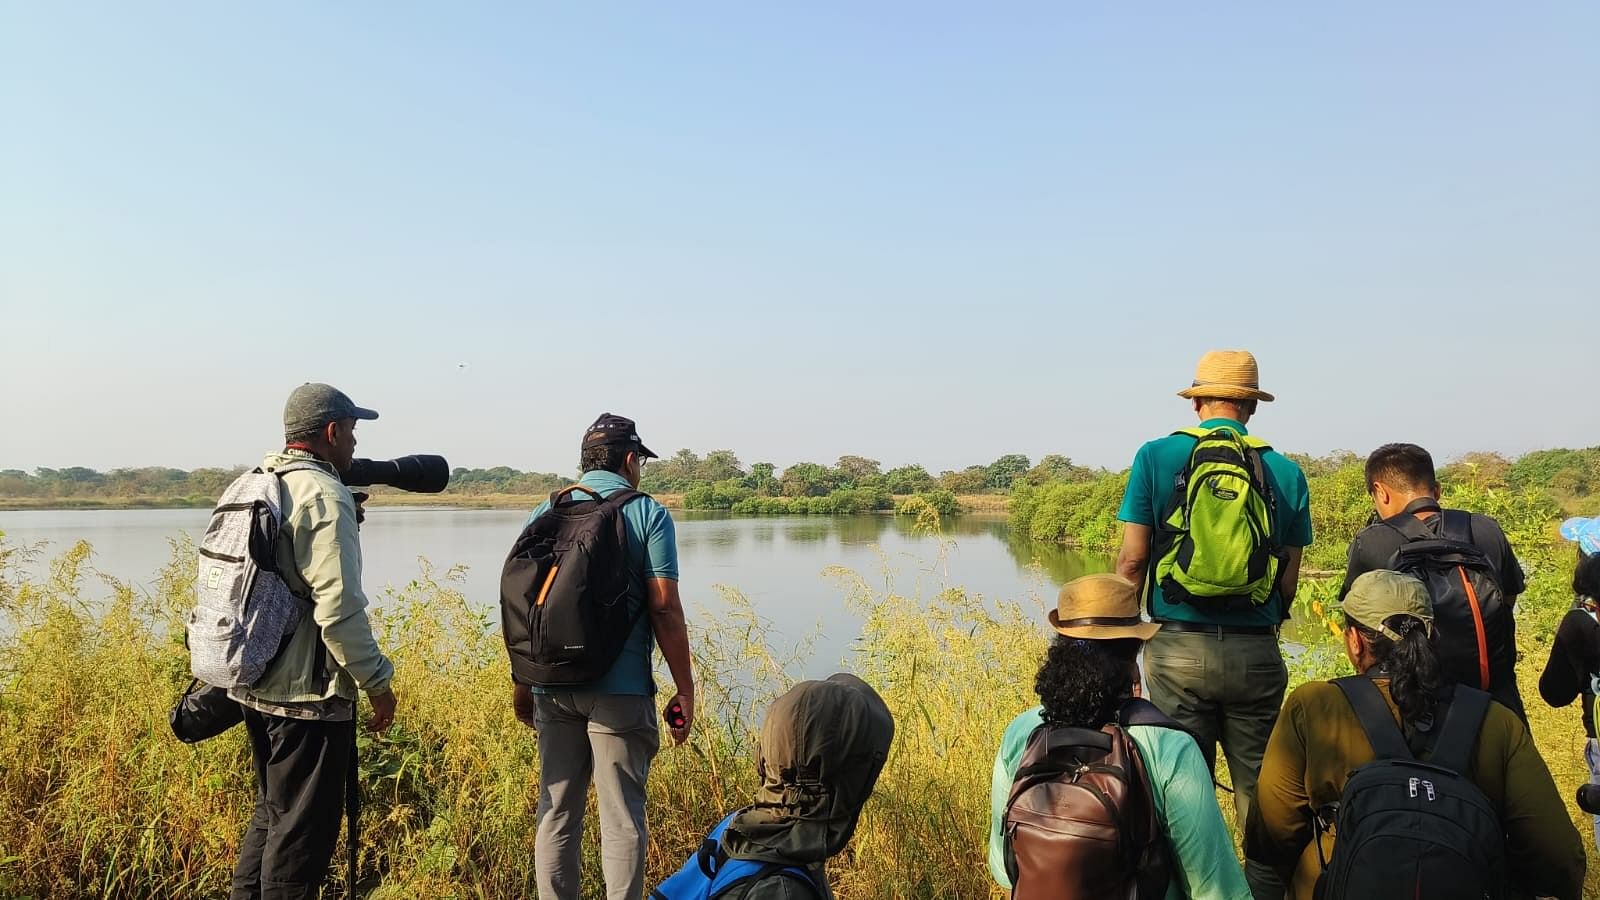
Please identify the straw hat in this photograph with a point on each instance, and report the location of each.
(1101, 608)
(1227, 375)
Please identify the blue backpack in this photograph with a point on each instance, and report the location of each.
(709, 873)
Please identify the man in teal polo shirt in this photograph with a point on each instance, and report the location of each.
(607, 731)
(1221, 674)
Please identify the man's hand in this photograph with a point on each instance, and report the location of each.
(382, 710)
(681, 734)
(522, 704)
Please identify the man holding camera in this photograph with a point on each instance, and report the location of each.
(301, 714)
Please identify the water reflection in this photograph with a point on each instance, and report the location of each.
(776, 562)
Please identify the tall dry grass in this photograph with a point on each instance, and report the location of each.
(98, 800)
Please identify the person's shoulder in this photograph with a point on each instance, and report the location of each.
(1176, 438)
(1164, 745)
(1486, 527)
(786, 886)
(1023, 724)
(1501, 730)
(307, 482)
(647, 504)
(1313, 695)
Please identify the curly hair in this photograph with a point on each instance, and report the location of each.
(606, 457)
(1083, 682)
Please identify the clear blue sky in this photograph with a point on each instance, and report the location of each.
(921, 232)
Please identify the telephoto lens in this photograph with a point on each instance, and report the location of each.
(420, 473)
(1589, 799)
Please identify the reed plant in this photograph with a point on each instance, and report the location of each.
(97, 799)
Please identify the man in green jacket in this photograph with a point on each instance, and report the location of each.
(301, 715)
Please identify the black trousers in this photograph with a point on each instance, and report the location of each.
(301, 769)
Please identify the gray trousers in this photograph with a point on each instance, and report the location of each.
(1225, 689)
(609, 739)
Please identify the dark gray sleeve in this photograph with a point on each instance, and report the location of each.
(780, 887)
(1512, 580)
(1353, 567)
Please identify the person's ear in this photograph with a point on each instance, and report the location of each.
(1355, 645)
(1380, 493)
(330, 432)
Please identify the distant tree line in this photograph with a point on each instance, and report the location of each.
(719, 480)
(1538, 486)
(204, 486)
(1052, 500)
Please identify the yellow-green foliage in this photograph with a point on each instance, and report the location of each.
(1083, 513)
(97, 798)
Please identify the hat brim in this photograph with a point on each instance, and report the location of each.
(361, 412)
(1225, 392)
(1144, 631)
(646, 452)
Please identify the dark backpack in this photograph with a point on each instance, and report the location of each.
(1476, 633)
(565, 609)
(1081, 820)
(1409, 829)
(710, 873)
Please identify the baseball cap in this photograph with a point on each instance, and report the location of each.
(313, 405)
(1376, 596)
(611, 429)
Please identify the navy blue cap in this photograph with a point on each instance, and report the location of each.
(610, 429)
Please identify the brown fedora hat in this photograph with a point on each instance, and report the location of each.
(1227, 375)
(1101, 608)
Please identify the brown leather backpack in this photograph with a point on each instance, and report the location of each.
(1081, 821)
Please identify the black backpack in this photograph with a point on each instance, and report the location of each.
(1081, 819)
(1476, 631)
(565, 609)
(1409, 829)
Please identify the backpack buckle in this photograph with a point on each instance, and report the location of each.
(1413, 786)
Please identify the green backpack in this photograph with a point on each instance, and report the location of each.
(1215, 547)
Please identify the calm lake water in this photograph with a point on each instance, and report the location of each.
(777, 562)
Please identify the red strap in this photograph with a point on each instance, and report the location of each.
(1477, 623)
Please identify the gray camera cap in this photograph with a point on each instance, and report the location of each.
(313, 405)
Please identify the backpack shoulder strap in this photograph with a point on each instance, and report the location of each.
(1139, 711)
(1196, 432)
(1455, 525)
(1388, 742)
(558, 496)
(1463, 719)
(624, 497)
(1409, 526)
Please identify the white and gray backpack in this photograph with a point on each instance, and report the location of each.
(244, 612)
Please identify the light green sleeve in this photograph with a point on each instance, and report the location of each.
(1205, 866)
(1012, 744)
(328, 548)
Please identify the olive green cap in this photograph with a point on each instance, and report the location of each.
(1378, 595)
(313, 405)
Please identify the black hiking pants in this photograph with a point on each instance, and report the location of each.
(301, 767)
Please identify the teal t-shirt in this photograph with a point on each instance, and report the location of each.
(1150, 488)
(652, 553)
(1204, 865)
